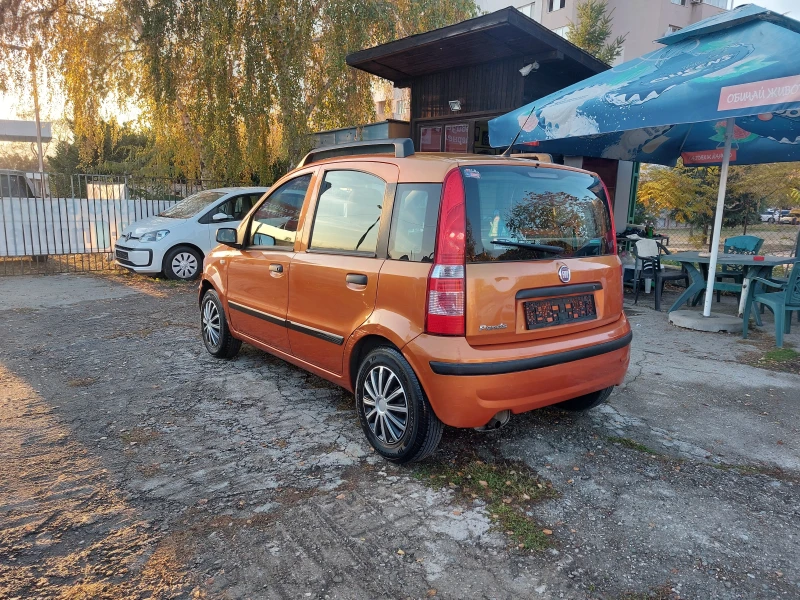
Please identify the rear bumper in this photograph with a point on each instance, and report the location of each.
(519, 378)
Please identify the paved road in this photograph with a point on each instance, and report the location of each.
(139, 465)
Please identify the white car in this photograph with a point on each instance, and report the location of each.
(175, 242)
(770, 215)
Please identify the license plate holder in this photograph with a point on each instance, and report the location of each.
(560, 310)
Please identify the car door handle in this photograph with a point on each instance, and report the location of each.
(276, 268)
(356, 279)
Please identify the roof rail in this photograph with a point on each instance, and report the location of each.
(400, 147)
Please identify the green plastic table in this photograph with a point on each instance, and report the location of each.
(697, 276)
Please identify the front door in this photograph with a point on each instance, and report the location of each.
(334, 282)
(258, 275)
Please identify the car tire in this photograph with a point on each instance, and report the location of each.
(214, 328)
(183, 263)
(586, 401)
(392, 408)
(771, 220)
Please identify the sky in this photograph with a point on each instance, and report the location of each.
(12, 108)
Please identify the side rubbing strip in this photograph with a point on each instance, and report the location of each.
(257, 314)
(312, 331)
(317, 333)
(529, 364)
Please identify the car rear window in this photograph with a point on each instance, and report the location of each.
(530, 213)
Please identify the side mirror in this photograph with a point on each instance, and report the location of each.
(220, 217)
(227, 236)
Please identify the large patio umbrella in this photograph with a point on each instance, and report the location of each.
(725, 90)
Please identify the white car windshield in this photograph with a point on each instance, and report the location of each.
(188, 207)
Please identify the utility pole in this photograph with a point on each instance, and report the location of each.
(38, 122)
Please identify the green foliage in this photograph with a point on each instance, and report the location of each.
(508, 488)
(230, 89)
(592, 31)
(689, 194)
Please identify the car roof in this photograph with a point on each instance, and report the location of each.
(228, 190)
(422, 167)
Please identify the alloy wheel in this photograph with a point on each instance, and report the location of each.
(385, 405)
(184, 265)
(211, 323)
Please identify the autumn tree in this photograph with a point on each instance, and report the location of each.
(230, 89)
(592, 31)
(689, 194)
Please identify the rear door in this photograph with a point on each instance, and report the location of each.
(334, 281)
(540, 254)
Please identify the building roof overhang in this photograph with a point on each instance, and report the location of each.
(505, 33)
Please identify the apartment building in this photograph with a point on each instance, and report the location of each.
(641, 21)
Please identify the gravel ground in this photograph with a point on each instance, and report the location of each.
(136, 466)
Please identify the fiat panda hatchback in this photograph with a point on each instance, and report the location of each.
(440, 289)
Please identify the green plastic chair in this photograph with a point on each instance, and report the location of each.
(782, 303)
(741, 244)
(785, 280)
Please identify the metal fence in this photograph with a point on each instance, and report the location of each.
(779, 239)
(60, 223)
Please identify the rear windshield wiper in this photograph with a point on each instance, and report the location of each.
(529, 246)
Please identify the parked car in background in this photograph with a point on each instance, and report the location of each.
(790, 217)
(441, 289)
(176, 240)
(770, 215)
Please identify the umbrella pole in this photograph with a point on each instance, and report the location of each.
(723, 184)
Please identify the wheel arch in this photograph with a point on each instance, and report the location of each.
(194, 247)
(363, 346)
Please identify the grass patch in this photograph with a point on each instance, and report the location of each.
(662, 592)
(781, 355)
(631, 444)
(507, 487)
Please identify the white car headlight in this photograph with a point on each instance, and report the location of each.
(154, 236)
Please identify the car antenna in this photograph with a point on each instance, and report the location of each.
(507, 151)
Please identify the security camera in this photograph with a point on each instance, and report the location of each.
(534, 66)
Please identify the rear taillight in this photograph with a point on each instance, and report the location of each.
(612, 232)
(445, 309)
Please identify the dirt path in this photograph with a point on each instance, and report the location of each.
(134, 465)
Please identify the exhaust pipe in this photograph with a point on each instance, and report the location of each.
(501, 419)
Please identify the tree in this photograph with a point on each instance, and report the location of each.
(593, 30)
(689, 194)
(231, 89)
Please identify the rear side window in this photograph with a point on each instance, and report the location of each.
(529, 213)
(275, 221)
(348, 212)
(415, 213)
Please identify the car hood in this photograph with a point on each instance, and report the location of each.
(152, 224)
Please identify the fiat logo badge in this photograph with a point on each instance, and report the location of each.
(564, 274)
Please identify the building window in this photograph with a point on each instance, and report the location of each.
(681, 2)
(430, 139)
(562, 31)
(455, 137)
(717, 3)
(399, 109)
(557, 4)
(672, 29)
(528, 10)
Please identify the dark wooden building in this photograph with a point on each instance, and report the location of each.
(465, 74)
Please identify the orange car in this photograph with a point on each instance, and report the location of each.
(441, 289)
